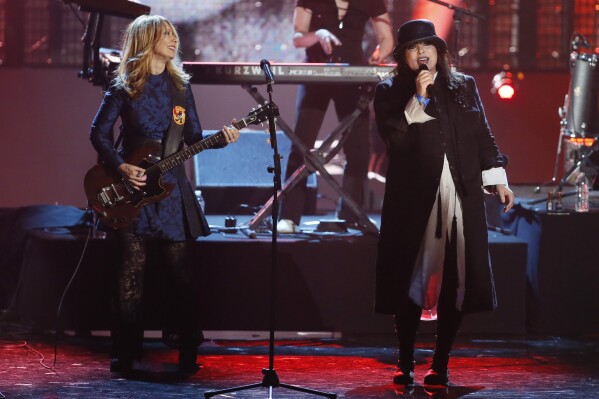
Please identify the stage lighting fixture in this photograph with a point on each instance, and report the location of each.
(504, 85)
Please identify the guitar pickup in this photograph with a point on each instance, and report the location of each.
(127, 187)
(104, 198)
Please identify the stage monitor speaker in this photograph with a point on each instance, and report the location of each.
(235, 177)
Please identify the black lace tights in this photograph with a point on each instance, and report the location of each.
(176, 290)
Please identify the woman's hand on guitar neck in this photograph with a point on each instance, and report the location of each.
(133, 174)
(231, 132)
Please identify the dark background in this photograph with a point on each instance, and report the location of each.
(46, 109)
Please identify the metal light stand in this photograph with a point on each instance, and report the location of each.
(560, 139)
(270, 379)
(457, 15)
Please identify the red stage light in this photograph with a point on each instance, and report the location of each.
(503, 84)
(506, 92)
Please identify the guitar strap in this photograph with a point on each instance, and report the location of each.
(196, 221)
(174, 136)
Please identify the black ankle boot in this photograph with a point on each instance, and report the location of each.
(404, 375)
(188, 358)
(406, 327)
(448, 325)
(121, 365)
(438, 374)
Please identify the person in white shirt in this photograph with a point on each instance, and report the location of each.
(433, 259)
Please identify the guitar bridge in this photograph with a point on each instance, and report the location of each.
(109, 196)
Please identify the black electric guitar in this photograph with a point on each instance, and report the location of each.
(117, 202)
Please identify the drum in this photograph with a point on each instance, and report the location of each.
(582, 112)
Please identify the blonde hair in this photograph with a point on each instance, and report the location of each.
(139, 41)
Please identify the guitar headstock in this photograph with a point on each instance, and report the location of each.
(259, 115)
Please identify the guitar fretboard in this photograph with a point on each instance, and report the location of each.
(179, 157)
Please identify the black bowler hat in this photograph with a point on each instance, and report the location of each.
(416, 31)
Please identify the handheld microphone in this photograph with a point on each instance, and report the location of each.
(265, 65)
(429, 88)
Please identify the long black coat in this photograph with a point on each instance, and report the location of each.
(416, 154)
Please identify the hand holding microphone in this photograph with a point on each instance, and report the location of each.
(424, 82)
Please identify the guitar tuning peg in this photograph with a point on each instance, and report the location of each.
(268, 141)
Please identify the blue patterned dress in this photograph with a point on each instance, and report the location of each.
(149, 117)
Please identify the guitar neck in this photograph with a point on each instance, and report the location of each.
(179, 157)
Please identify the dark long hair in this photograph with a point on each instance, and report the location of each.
(453, 80)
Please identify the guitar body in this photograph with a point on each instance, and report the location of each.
(116, 202)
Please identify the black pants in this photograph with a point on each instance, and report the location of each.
(312, 104)
(181, 324)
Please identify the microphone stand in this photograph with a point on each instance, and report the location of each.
(457, 14)
(270, 379)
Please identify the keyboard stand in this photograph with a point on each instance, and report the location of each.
(314, 161)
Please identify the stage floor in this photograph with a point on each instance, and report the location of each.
(531, 348)
(360, 367)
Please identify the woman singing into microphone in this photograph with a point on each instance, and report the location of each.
(433, 259)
